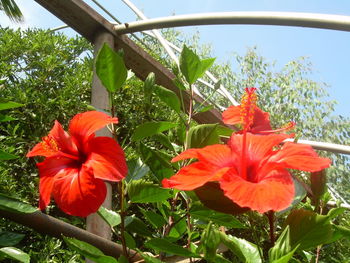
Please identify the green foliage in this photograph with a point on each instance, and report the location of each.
(151, 128)
(11, 9)
(15, 254)
(8, 203)
(88, 251)
(141, 191)
(203, 135)
(162, 245)
(112, 218)
(110, 68)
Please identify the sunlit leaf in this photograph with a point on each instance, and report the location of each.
(202, 135)
(168, 97)
(15, 254)
(151, 128)
(110, 68)
(111, 217)
(7, 156)
(9, 105)
(162, 245)
(141, 191)
(11, 204)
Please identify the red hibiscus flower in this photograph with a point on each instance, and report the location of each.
(250, 116)
(251, 169)
(77, 163)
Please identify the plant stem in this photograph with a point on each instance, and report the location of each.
(190, 112)
(256, 240)
(120, 190)
(271, 217)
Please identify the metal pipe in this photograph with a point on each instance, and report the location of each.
(325, 21)
(325, 146)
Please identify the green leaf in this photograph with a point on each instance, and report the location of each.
(136, 169)
(282, 245)
(11, 204)
(15, 254)
(151, 128)
(111, 217)
(200, 212)
(130, 241)
(156, 220)
(203, 135)
(162, 245)
(9, 105)
(157, 162)
(318, 182)
(150, 259)
(141, 191)
(210, 241)
(7, 156)
(247, 252)
(8, 239)
(308, 229)
(191, 66)
(164, 140)
(110, 68)
(168, 97)
(136, 225)
(286, 258)
(4, 118)
(88, 251)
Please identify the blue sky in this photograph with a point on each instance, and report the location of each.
(326, 49)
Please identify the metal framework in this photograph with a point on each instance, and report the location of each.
(322, 21)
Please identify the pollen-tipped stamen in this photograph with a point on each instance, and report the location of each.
(286, 127)
(248, 105)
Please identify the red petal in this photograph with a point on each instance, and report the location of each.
(193, 176)
(232, 115)
(218, 155)
(275, 192)
(261, 121)
(62, 139)
(106, 159)
(258, 146)
(78, 193)
(85, 124)
(299, 156)
(47, 170)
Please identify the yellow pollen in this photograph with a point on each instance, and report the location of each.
(49, 144)
(248, 104)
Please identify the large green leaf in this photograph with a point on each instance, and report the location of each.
(282, 251)
(201, 212)
(191, 66)
(141, 191)
(110, 68)
(111, 217)
(136, 169)
(168, 97)
(308, 229)
(15, 254)
(8, 239)
(151, 128)
(9, 105)
(247, 252)
(163, 245)
(202, 135)
(7, 156)
(210, 241)
(156, 220)
(14, 205)
(88, 251)
(157, 162)
(136, 225)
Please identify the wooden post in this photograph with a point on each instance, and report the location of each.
(100, 100)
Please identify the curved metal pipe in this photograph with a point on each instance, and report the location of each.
(312, 20)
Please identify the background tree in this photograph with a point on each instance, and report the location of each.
(11, 9)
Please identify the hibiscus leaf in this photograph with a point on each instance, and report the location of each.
(151, 128)
(136, 225)
(9, 105)
(168, 97)
(110, 68)
(163, 245)
(141, 191)
(282, 249)
(88, 251)
(8, 239)
(156, 220)
(7, 156)
(203, 135)
(15, 254)
(200, 212)
(308, 229)
(210, 241)
(136, 169)
(191, 66)
(150, 259)
(11, 204)
(111, 217)
(157, 162)
(247, 252)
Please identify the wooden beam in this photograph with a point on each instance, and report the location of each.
(89, 23)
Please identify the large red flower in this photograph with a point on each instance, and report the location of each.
(251, 169)
(77, 163)
(250, 116)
